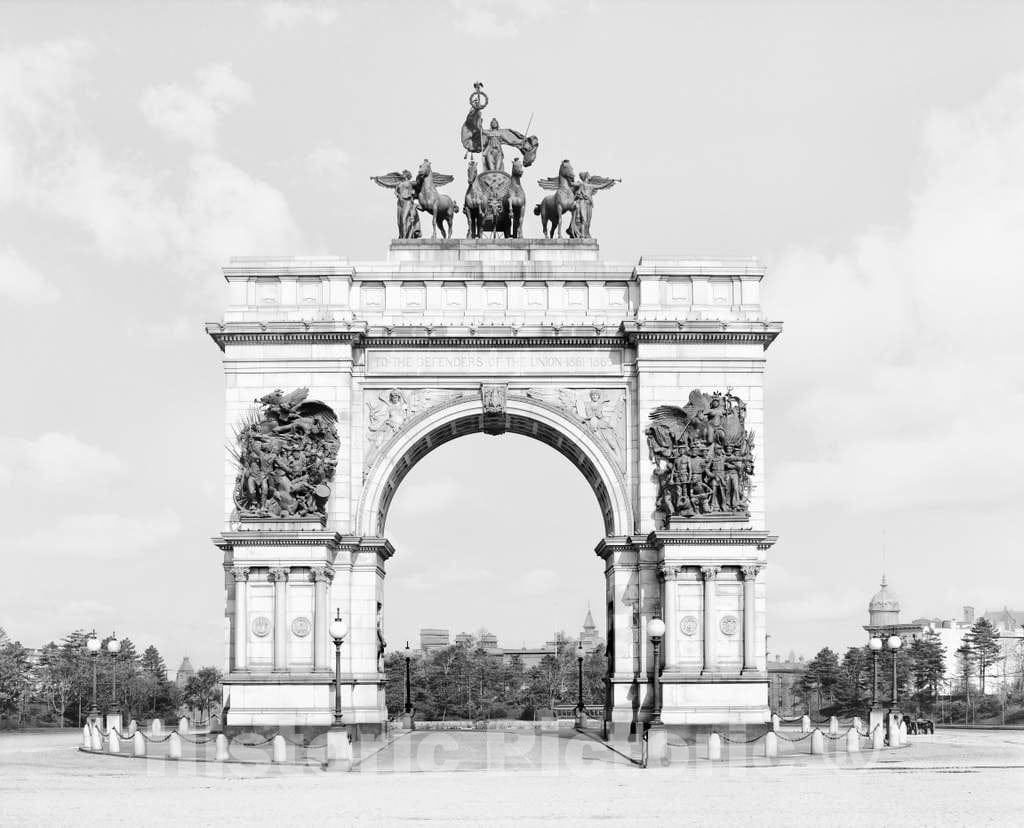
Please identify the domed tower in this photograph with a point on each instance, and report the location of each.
(884, 609)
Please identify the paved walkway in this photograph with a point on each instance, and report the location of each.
(952, 778)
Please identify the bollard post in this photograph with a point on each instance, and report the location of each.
(174, 746)
(339, 750)
(280, 750)
(817, 742)
(138, 743)
(852, 740)
(86, 737)
(222, 748)
(714, 747)
(113, 741)
(902, 730)
(132, 727)
(805, 724)
(833, 726)
(96, 737)
(776, 721)
(858, 725)
(183, 725)
(878, 737)
(156, 727)
(771, 745)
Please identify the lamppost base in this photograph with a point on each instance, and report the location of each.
(657, 744)
(407, 720)
(339, 750)
(876, 717)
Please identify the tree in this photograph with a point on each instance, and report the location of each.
(59, 674)
(821, 676)
(14, 677)
(202, 691)
(927, 667)
(853, 682)
(983, 641)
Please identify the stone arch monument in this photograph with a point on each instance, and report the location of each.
(341, 375)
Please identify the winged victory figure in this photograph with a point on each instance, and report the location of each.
(584, 190)
(406, 193)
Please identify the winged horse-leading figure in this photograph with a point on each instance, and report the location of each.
(405, 194)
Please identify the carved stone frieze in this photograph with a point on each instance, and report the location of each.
(703, 456)
(601, 411)
(388, 411)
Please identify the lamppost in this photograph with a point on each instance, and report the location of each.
(894, 644)
(93, 645)
(338, 630)
(875, 645)
(408, 681)
(114, 647)
(656, 629)
(580, 654)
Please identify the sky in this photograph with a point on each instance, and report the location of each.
(870, 154)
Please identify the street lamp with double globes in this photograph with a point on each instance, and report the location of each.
(580, 654)
(338, 631)
(93, 645)
(114, 647)
(656, 630)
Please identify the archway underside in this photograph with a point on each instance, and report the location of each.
(514, 424)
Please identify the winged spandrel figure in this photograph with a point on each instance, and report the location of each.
(406, 193)
(584, 190)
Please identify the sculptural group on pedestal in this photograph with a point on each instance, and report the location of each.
(495, 201)
(287, 452)
(702, 455)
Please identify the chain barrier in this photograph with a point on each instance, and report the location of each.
(798, 739)
(254, 744)
(197, 741)
(732, 741)
(790, 718)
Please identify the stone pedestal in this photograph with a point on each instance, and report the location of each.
(339, 750)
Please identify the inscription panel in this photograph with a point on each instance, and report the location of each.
(414, 362)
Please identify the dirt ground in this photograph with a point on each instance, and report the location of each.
(952, 778)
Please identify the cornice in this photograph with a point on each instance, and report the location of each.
(711, 537)
(270, 537)
(362, 334)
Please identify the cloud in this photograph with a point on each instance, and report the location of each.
(905, 368)
(424, 496)
(287, 15)
(328, 162)
(187, 218)
(193, 115)
(22, 283)
(56, 463)
(99, 535)
(496, 18)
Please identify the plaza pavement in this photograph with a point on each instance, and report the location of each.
(952, 778)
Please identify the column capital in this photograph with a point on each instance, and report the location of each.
(669, 573)
(750, 571)
(322, 573)
(279, 573)
(240, 573)
(710, 573)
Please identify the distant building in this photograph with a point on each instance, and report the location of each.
(185, 672)
(783, 685)
(464, 639)
(434, 639)
(884, 620)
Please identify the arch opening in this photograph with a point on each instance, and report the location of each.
(522, 417)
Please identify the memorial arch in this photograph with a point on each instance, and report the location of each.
(647, 376)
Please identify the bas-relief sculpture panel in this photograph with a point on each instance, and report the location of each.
(703, 456)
